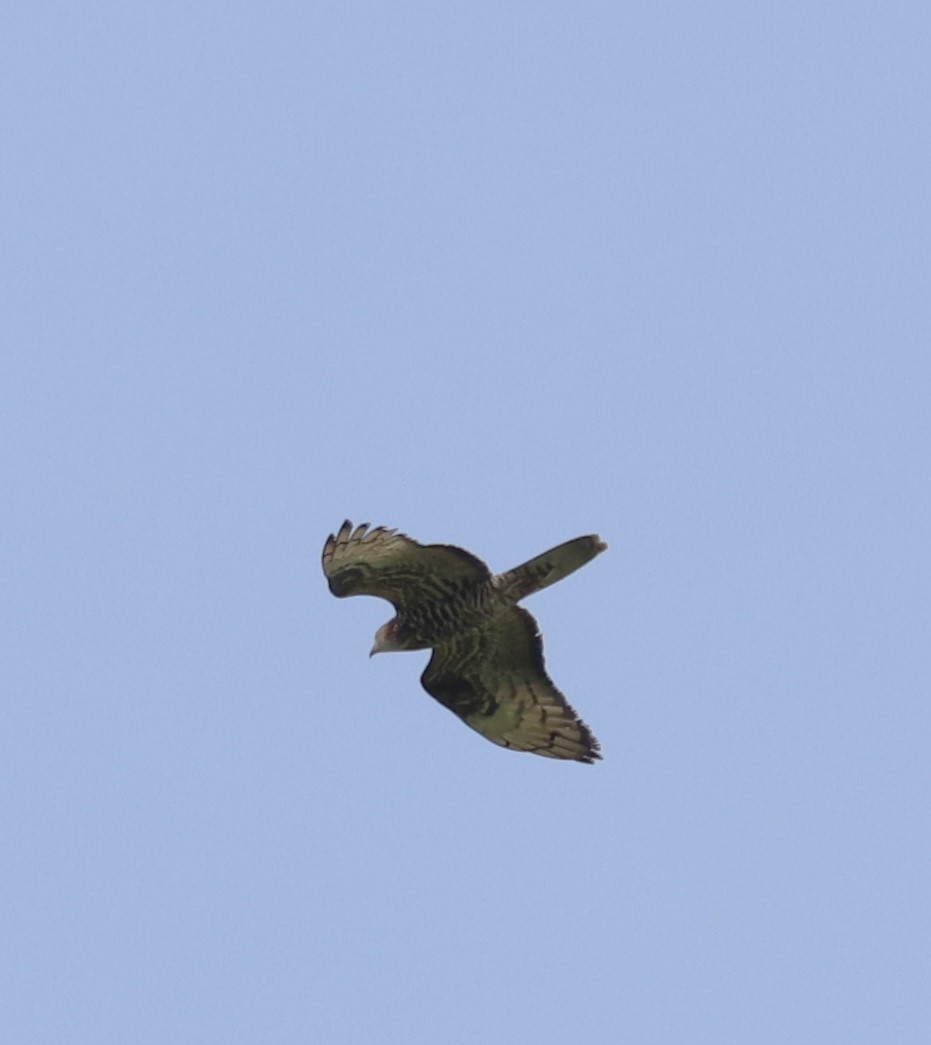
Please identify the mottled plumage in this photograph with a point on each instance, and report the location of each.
(487, 664)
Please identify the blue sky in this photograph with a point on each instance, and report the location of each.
(497, 275)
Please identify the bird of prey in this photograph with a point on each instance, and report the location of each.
(487, 663)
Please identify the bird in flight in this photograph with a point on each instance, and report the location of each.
(487, 665)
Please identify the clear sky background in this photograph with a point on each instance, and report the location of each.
(497, 274)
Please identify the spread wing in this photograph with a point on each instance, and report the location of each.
(385, 563)
(495, 681)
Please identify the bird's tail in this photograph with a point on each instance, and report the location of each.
(548, 568)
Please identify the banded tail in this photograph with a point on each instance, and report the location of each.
(548, 568)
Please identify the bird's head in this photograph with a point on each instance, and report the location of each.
(388, 638)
